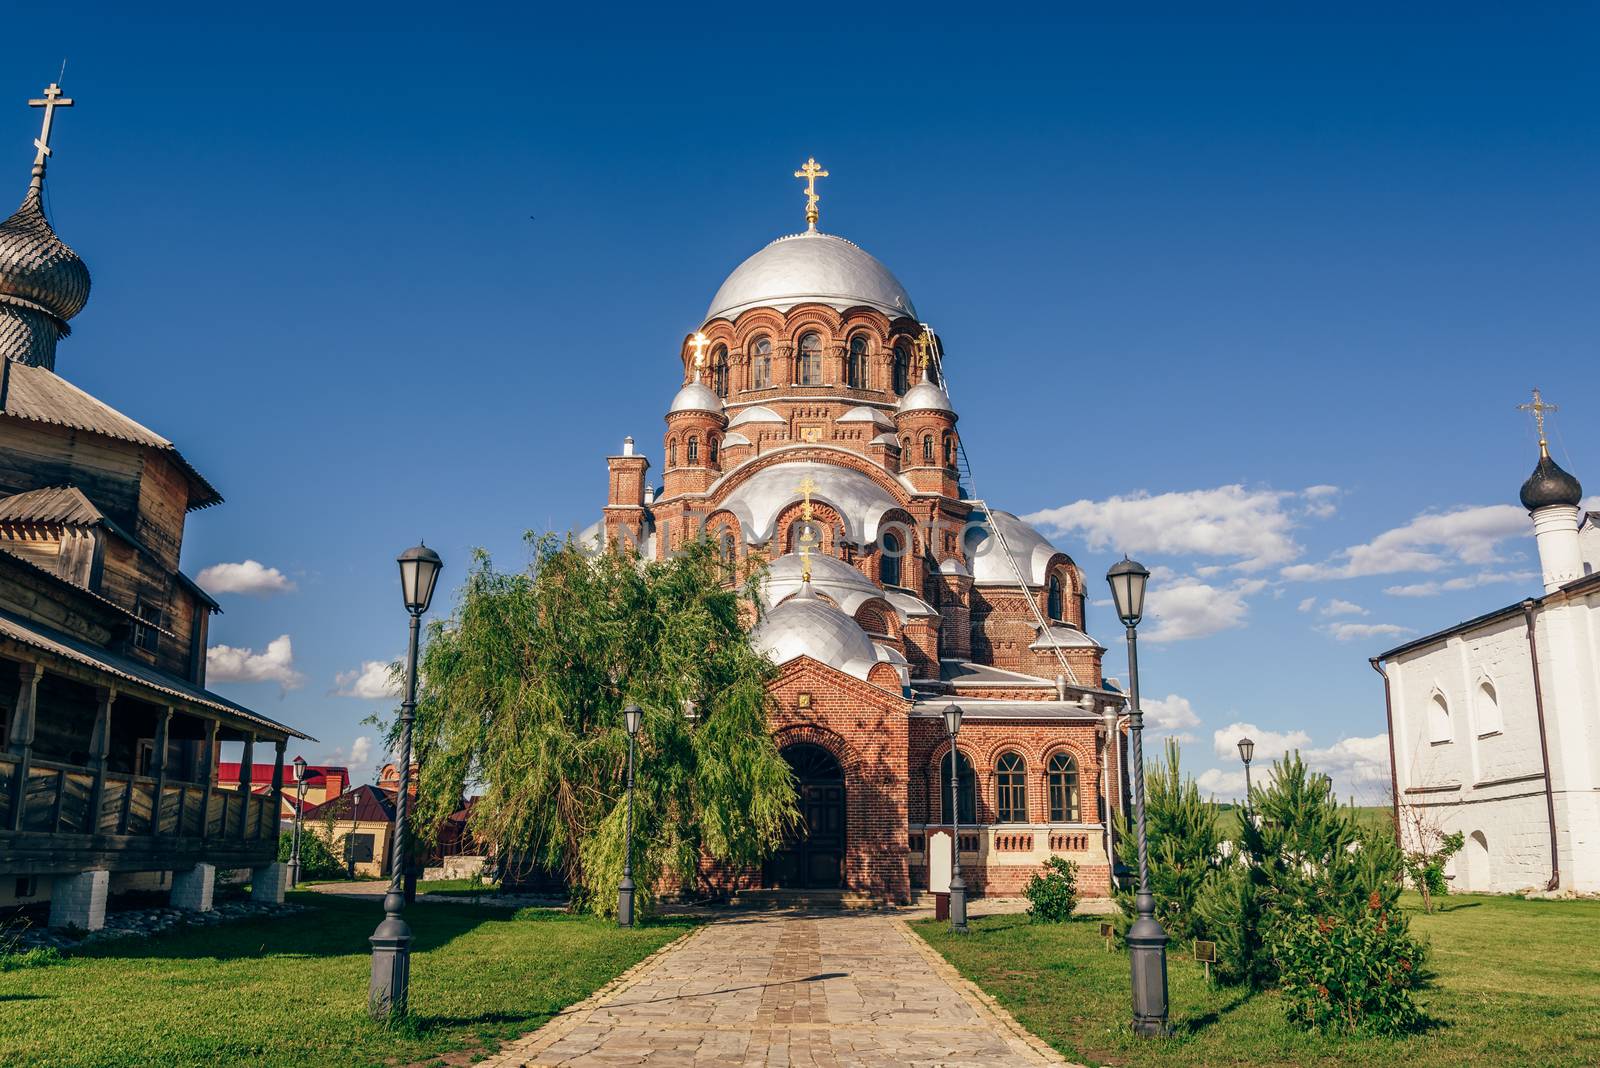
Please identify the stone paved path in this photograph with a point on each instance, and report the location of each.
(786, 991)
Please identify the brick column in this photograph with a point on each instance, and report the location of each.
(192, 889)
(267, 883)
(80, 900)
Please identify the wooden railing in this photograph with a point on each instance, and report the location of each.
(60, 799)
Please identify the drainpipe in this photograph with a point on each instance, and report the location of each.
(1544, 746)
(1394, 776)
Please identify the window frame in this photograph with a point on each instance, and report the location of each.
(967, 789)
(1010, 788)
(808, 362)
(1063, 787)
(761, 362)
(857, 366)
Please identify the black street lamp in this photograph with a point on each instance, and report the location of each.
(958, 885)
(1247, 750)
(299, 808)
(391, 942)
(1147, 942)
(632, 716)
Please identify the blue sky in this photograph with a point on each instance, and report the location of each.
(387, 276)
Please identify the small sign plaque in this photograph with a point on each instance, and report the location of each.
(1205, 953)
(1108, 932)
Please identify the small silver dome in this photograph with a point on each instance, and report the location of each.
(864, 414)
(696, 397)
(811, 267)
(806, 625)
(860, 502)
(951, 566)
(1029, 549)
(759, 413)
(830, 576)
(925, 397)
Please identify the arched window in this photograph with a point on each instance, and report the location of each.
(856, 371)
(808, 364)
(672, 453)
(1011, 789)
(1438, 720)
(949, 451)
(728, 552)
(927, 448)
(905, 447)
(719, 371)
(761, 363)
(902, 369)
(1490, 720)
(889, 566)
(1062, 774)
(711, 450)
(1053, 599)
(967, 789)
(691, 450)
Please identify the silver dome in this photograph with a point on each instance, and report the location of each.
(1030, 550)
(806, 625)
(830, 576)
(1059, 636)
(696, 397)
(759, 413)
(924, 397)
(860, 501)
(864, 414)
(810, 267)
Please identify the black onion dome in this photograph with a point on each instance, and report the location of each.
(1549, 485)
(37, 267)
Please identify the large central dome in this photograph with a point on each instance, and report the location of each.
(811, 267)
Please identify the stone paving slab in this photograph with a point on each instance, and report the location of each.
(786, 990)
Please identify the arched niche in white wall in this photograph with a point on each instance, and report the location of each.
(1438, 720)
(1486, 711)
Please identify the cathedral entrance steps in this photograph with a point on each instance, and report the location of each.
(794, 898)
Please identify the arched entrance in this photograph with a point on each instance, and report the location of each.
(812, 855)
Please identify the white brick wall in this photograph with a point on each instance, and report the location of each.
(267, 884)
(192, 889)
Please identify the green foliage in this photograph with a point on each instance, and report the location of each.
(1301, 856)
(522, 696)
(37, 957)
(1182, 836)
(1343, 974)
(1425, 862)
(1054, 894)
(317, 858)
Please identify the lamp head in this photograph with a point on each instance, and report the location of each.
(632, 716)
(299, 768)
(952, 719)
(419, 570)
(1127, 579)
(1247, 749)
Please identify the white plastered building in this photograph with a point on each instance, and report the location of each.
(1494, 724)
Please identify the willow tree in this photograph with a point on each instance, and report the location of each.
(522, 699)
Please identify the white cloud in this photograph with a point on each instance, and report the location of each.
(1219, 783)
(250, 576)
(1430, 542)
(1270, 745)
(1189, 608)
(358, 758)
(1308, 604)
(227, 663)
(1250, 527)
(1359, 767)
(1349, 632)
(1172, 715)
(1464, 582)
(361, 750)
(1320, 501)
(1336, 607)
(370, 682)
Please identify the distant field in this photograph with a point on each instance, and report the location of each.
(1375, 817)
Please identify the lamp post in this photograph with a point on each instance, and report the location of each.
(958, 885)
(299, 808)
(391, 942)
(631, 718)
(1147, 942)
(1247, 750)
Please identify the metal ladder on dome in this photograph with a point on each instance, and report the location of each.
(970, 482)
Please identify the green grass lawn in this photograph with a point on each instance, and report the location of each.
(456, 886)
(293, 991)
(1518, 983)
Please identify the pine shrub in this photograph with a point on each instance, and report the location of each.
(1341, 974)
(1181, 832)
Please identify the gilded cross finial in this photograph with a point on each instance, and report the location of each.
(811, 172)
(807, 488)
(52, 99)
(1538, 408)
(699, 341)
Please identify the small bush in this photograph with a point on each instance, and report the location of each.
(317, 860)
(37, 957)
(1053, 894)
(1338, 974)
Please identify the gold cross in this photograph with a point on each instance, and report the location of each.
(52, 100)
(699, 341)
(923, 350)
(1538, 408)
(806, 487)
(811, 172)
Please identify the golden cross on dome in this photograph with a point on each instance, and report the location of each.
(1538, 408)
(807, 488)
(699, 341)
(811, 172)
(923, 350)
(52, 100)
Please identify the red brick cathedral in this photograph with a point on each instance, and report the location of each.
(814, 433)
